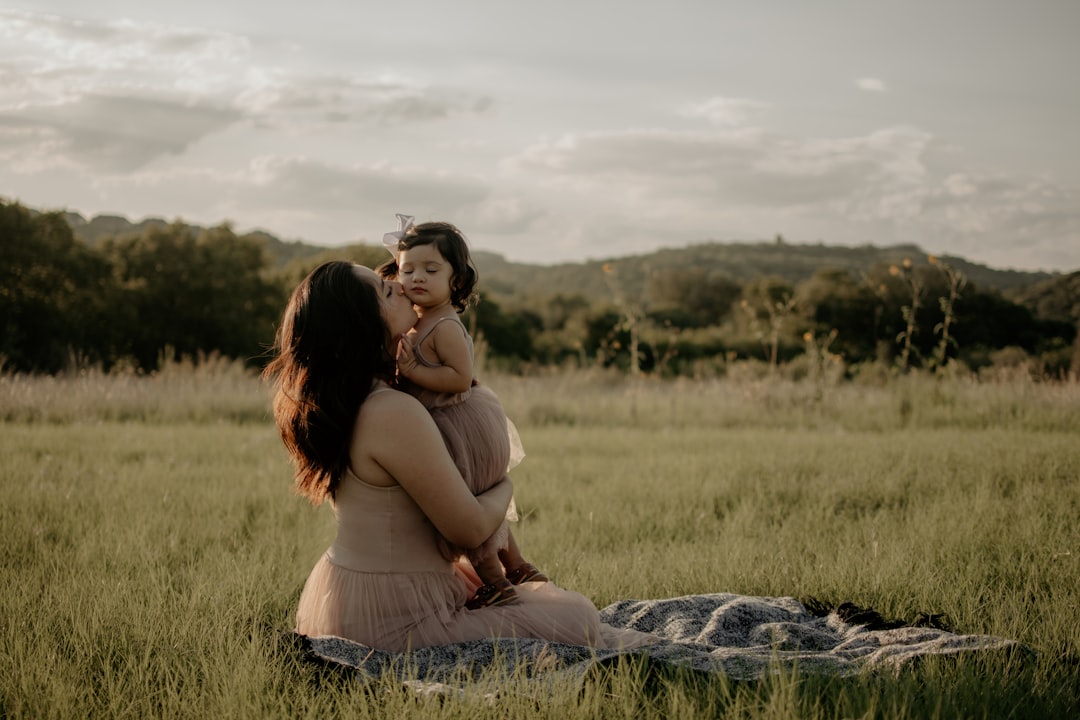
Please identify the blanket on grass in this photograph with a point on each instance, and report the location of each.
(741, 636)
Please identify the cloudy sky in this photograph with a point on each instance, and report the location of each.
(562, 130)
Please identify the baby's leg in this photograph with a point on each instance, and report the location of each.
(488, 567)
(516, 568)
(510, 555)
(496, 590)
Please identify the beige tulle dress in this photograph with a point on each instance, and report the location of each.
(385, 583)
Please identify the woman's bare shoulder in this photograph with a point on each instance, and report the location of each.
(385, 399)
(389, 410)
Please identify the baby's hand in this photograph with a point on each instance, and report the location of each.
(406, 356)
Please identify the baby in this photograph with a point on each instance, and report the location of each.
(435, 364)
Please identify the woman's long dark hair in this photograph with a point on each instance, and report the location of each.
(330, 348)
(451, 244)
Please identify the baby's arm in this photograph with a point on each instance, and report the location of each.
(450, 346)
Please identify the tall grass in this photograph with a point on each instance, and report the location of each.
(154, 551)
(214, 389)
(219, 390)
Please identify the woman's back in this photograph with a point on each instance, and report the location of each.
(381, 529)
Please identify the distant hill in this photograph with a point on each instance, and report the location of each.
(103, 226)
(1055, 299)
(100, 227)
(739, 261)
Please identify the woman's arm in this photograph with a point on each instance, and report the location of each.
(397, 433)
(450, 345)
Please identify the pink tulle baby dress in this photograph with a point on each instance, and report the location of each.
(482, 441)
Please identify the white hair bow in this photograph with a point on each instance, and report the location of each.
(390, 240)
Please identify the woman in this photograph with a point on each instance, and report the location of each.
(377, 456)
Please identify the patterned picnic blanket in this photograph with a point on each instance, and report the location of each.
(738, 635)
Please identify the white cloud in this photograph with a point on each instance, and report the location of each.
(503, 214)
(959, 185)
(870, 84)
(725, 111)
(301, 197)
(324, 186)
(64, 57)
(747, 167)
(116, 96)
(278, 99)
(1028, 211)
(107, 133)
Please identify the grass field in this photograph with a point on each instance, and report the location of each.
(153, 549)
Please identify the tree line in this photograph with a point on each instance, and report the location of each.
(173, 290)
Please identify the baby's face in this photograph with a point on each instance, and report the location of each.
(425, 274)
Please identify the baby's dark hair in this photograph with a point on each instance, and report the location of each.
(450, 243)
